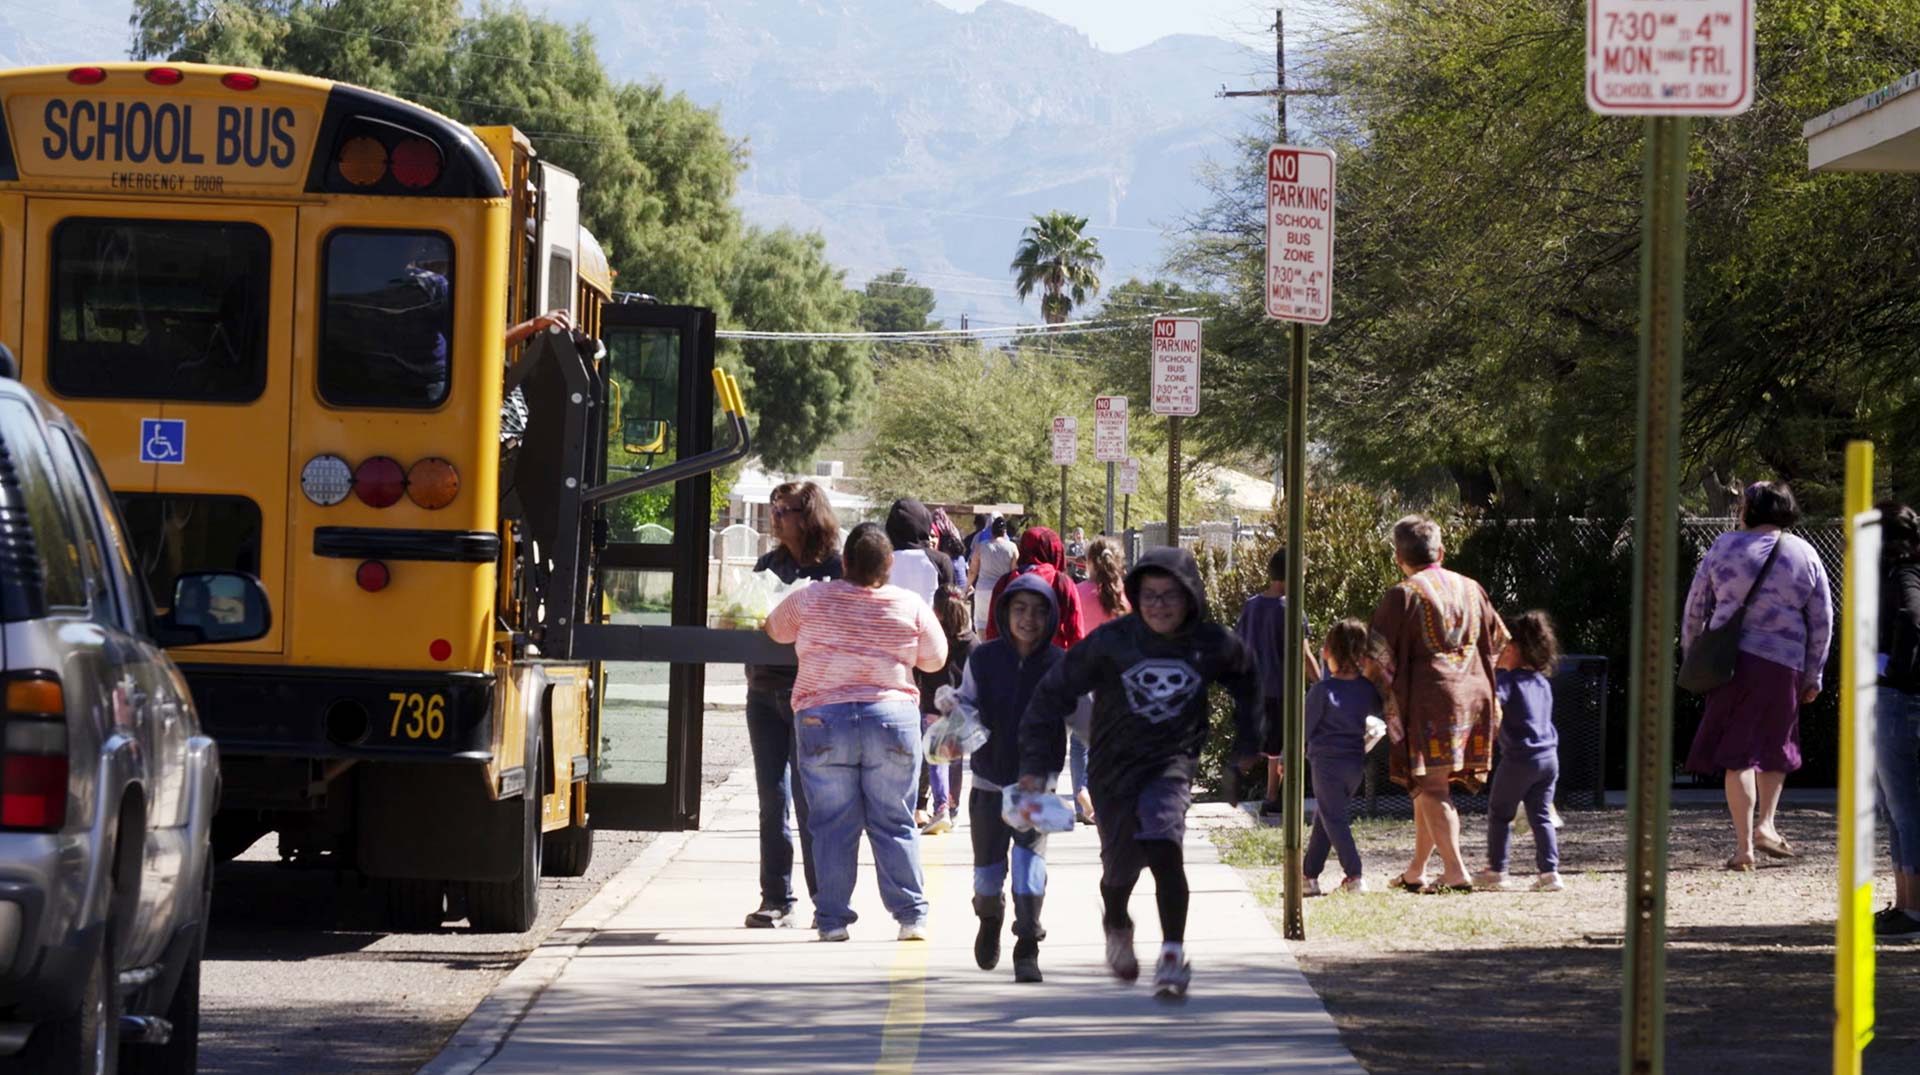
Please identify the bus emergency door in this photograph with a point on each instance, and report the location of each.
(166, 330)
(652, 570)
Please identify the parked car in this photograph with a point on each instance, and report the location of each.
(107, 784)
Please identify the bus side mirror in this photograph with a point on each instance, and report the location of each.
(214, 607)
(644, 436)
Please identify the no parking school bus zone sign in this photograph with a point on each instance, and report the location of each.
(1300, 234)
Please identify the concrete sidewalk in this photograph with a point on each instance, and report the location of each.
(658, 975)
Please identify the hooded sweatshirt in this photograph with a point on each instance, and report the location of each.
(915, 567)
(999, 683)
(1042, 554)
(1150, 712)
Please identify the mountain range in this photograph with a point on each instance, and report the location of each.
(908, 133)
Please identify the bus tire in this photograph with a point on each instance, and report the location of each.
(511, 906)
(569, 851)
(410, 905)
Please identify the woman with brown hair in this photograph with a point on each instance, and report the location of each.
(807, 532)
(1435, 640)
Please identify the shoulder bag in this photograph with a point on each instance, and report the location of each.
(1709, 664)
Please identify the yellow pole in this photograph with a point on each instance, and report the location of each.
(1853, 947)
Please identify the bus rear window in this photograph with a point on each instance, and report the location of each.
(387, 330)
(159, 309)
(172, 533)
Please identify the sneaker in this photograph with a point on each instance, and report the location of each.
(1310, 887)
(1898, 926)
(1171, 975)
(834, 933)
(1120, 958)
(942, 822)
(1553, 815)
(1491, 880)
(1548, 882)
(770, 916)
(1885, 912)
(921, 819)
(913, 931)
(1353, 885)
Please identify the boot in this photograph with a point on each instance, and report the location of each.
(1026, 927)
(986, 944)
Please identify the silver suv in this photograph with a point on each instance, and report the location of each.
(107, 784)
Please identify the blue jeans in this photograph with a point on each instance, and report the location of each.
(859, 763)
(1896, 742)
(776, 776)
(1529, 781)
(1077, 761)
(992, 837)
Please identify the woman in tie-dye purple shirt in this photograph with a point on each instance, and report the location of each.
(1751, 729)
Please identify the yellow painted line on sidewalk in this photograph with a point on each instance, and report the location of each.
(907, 979)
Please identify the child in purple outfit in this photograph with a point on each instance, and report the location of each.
(1529, 753)
(1337, 710)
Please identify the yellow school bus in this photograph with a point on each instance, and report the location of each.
(278, 306)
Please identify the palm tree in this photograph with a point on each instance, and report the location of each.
(1061, 262)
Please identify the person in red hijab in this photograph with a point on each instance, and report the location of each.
(1042, 553)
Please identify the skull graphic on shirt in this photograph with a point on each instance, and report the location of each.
(1158, 689)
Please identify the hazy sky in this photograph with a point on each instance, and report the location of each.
(1119, 25)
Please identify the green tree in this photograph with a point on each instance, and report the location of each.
(1485, 329)
(895, 302)
(1054, 257)
(801, 393)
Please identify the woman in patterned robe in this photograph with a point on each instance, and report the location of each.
(1435, 639)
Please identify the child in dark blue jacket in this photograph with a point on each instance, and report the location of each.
(1000, 679)
(1529, 753)
(1336, 718)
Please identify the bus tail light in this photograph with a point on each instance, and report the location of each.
(416, 163)
(379, 482)
(165, 76)
(240, 80)
(372, 576)
(33, 771)
(326, 480)
(362, 160)
(433, 483)
(87, 76)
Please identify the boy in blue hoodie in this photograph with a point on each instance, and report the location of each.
(999, 682)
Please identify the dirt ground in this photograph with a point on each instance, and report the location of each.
(1527, 982)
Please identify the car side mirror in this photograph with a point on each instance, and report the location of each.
(215, 607)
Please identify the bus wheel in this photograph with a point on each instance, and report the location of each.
(409, 905)
(569, 851)
(511, 906)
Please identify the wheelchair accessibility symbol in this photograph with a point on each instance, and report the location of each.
(163, 440)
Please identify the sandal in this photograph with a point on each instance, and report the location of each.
(1779, 848)
(1400, 883)
(1737, 864)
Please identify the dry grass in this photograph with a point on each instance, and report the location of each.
(1524, 982)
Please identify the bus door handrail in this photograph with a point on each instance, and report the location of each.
(726, 392)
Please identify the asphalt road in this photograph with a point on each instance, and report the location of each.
(290, 990)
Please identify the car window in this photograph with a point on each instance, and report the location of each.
(53, 534)
(103, 596)
(119, 550)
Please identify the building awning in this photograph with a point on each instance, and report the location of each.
(1877, 133)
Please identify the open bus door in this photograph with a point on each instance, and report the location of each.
(619, 543)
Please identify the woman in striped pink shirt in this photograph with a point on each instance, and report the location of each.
(857, 717)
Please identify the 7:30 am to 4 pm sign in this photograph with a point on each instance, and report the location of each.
(1669, 57)
(1300, 234)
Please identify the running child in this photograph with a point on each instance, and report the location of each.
(1337, 710)
(1529, 753)
(1149, 671)
(999, 682)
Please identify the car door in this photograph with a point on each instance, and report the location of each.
(139, 693)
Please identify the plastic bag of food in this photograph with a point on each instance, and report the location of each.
(956, 734)
(1037, 811)
(1376, 731)
(750, 603)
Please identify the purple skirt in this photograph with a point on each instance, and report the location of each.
(1752, 722)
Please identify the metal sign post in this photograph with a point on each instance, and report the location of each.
(1853, 1001)
(1300, 204)
(1665, 60)
(1066, 451)
(1129, 485)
